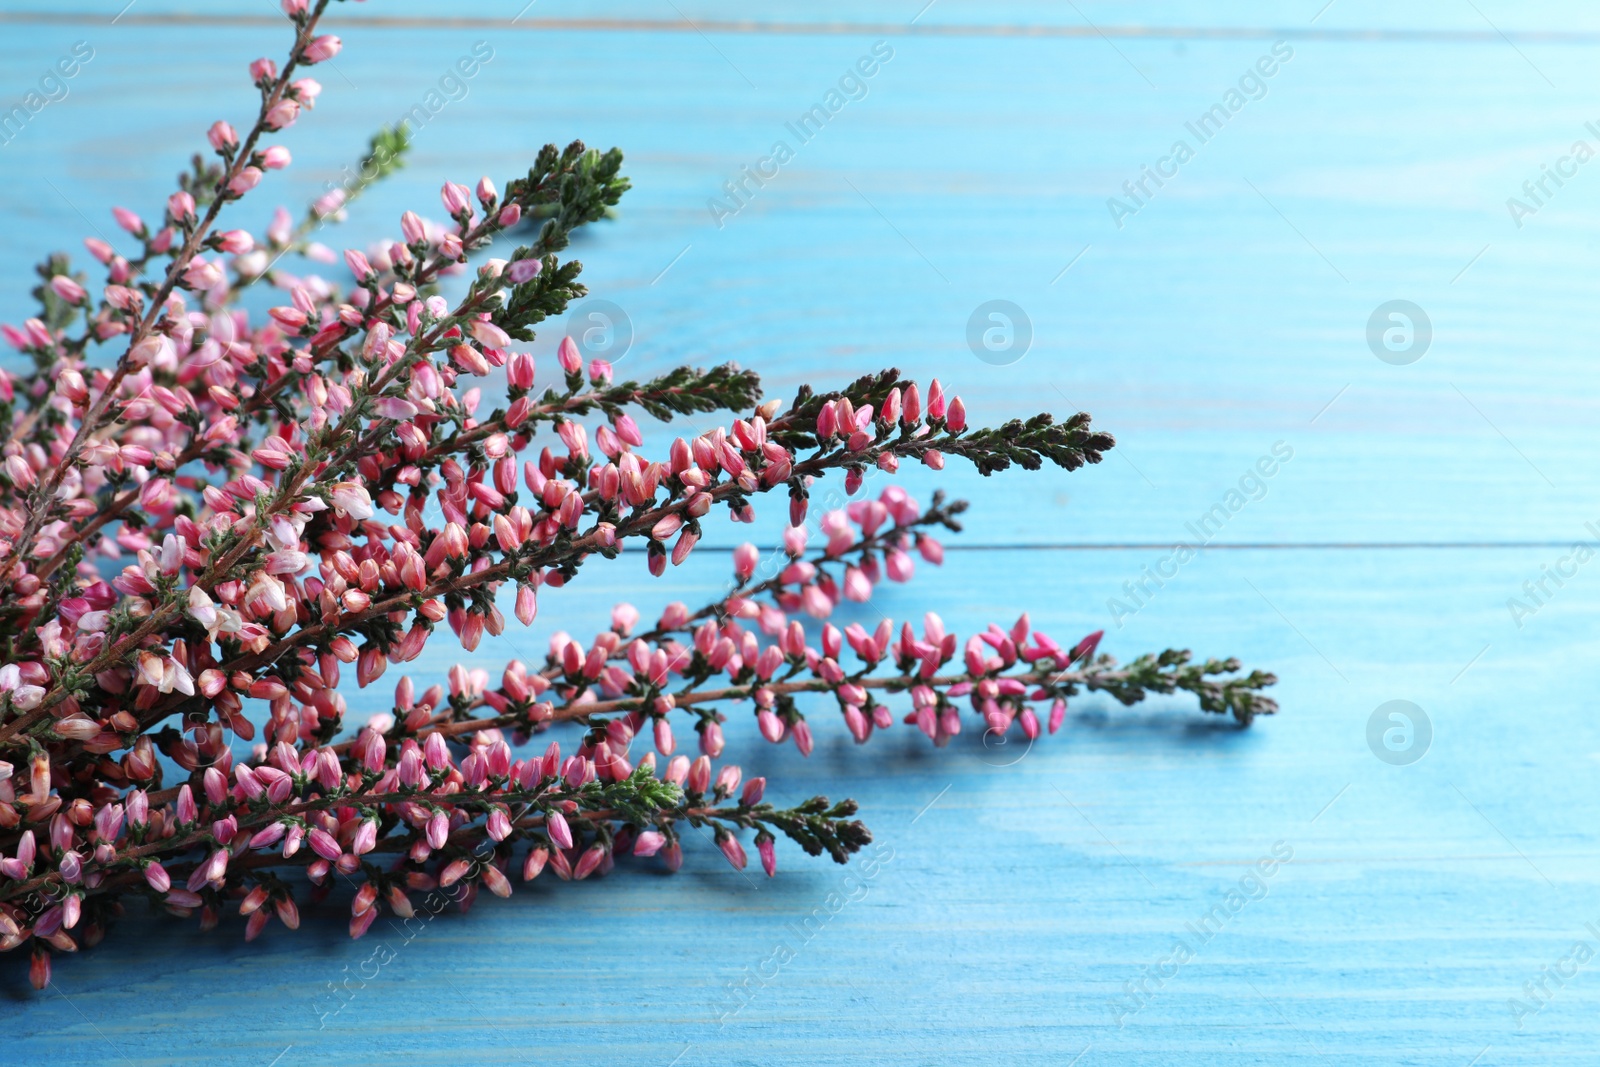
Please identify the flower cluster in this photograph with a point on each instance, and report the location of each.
(208, 516)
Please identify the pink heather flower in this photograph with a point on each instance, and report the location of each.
(247, 179)
(956, 419)
(711, 742)
(745, 558)
(358, 264)
(766, 846)
(411, 226)
(322, 49)
(457, 199)
(732, 849)
(588, 862)
(129, 221)
(156, 876)
(560, 834)
(274, 590)
(487, 333)
(222, 136)
(324, 844)
(522, 270)
(534, 863)
(699, 780)
(677, 771)
(282, 114)
(235, 241)
(568, 356)
(67, 289)
(352, 499)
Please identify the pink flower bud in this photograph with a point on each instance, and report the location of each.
(222, 136)
(753, 790)
(568, 356)
(732, 849)
(523, 270)
(358, 264)
(534, 864)
(246, 180)
(235, 242)
(560, 833)
(677, 770)
(745, 558)
(128, 221)
(457, 200)
(588, 862)
(282, 114)
(411, 226)
(156, 875)
(956, 420)
(67, 289)
(322, 49)
(769, 855)
(699, 780)
(324, 844)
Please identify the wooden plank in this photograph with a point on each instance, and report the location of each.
(1037, 883)
(1537, 18)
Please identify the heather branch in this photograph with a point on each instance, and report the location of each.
(101, 407)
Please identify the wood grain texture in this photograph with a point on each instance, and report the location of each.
(1222, 318)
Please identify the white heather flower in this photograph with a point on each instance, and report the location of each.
(352, 499)
(201, 608)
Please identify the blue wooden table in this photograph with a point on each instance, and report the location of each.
(1024, 905)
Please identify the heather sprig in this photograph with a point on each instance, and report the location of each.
(208, 515)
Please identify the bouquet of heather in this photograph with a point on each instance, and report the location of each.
(209, 519)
